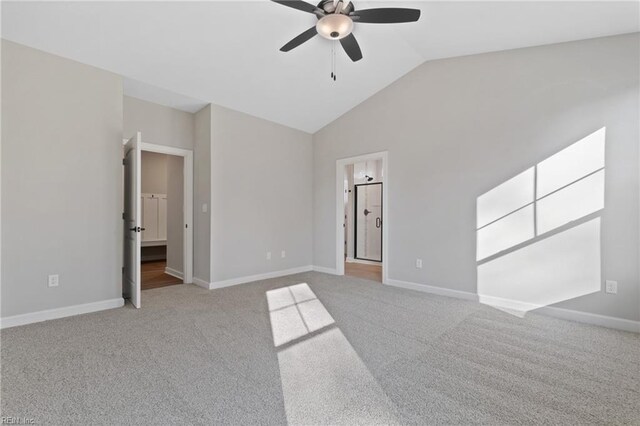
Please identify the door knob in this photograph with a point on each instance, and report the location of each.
(366, 212)
(136, 229)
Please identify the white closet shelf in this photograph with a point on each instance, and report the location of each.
(153, 243)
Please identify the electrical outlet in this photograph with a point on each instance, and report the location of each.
(611, 287)
(268, 255)
(283, 254)
(419, 263)
(53, 280)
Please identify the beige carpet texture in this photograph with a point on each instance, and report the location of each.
(317, 349)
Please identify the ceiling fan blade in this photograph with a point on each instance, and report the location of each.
(350, 45)
(297, 41)
(298, 4)
(388, 15)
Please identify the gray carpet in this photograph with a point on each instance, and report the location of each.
(388, 356)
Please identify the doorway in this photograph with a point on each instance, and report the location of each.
(162, 220)
(361, 212)
(158, 217)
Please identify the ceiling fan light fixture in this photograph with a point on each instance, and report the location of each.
(334, 26)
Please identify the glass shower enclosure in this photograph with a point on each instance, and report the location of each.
(368, 222)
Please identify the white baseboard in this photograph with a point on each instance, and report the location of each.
(201, 283)
(324, 270)
(250, 278)
(508, 304)
(441, 291)
(67, 311)
(567, 314)
(173, 272)
(588, 318)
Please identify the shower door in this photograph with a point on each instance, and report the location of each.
(368, 222)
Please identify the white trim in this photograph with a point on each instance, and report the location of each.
(340, 164)
(67, 311)
(324, 270)
(566, 314)
(500, 302)
(173, 272)
(588, 318)
(440, 291)
(201, 283)
(251, 278)
(187, 155)
(258, 277)
(153, 243)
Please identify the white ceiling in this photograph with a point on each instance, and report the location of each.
(227, 52)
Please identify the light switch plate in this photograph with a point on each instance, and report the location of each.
(53, 280)
(611, 287)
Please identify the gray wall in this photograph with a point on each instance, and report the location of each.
(202, 195)
(175, 214)
(154, 173)
(456, 128)
(61, 181)
(261, 177)
(159, 124)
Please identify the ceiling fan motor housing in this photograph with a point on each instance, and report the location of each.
(336, 24)
(330, 7)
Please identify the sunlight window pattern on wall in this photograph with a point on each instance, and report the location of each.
(538, 233)
(563, 188)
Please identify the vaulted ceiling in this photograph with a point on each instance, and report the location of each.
(185, 54)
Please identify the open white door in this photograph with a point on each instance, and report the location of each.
(132, 229)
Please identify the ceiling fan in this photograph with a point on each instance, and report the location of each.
(336, 19)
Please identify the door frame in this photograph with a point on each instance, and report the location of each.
(187, 209)
(340, 220)
(355, 222)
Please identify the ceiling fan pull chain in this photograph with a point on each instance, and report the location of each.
(331, 59)
(334, 61)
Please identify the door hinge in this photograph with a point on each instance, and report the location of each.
(123, 215)
(124, 162)
(123, 270)
(186, 225)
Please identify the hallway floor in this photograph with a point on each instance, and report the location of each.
(152, 275)
(362, 270)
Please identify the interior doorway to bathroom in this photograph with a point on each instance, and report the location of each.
(363, 214)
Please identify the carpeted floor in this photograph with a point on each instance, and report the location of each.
(358, 354)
